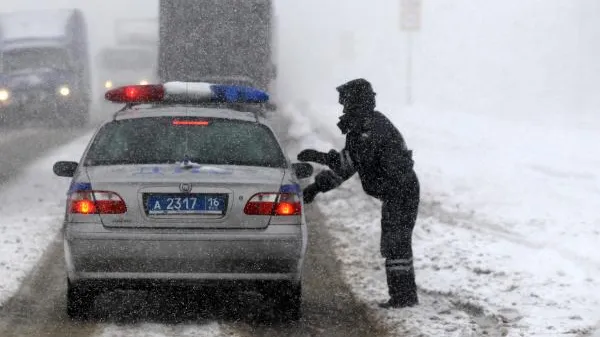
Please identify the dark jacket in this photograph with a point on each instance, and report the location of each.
(377, 151)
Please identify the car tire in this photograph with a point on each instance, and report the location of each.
(288, 301)
(80, 300)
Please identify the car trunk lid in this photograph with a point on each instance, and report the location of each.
(169, 196)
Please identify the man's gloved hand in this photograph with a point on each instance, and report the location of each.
(328, 180)
(324, 181)
(309, 193)
(313, 156)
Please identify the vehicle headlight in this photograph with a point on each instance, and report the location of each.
(108, 84)
(64, 90)
(4, 95)
(144, 82)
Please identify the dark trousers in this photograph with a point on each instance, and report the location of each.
(398, 217)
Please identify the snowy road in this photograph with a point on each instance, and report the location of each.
(38, 308)
(18, 147)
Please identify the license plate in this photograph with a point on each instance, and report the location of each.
(178, 204)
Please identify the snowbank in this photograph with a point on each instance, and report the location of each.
(507, 222)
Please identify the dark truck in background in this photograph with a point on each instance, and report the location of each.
(44, 67)
(133, 60)
(201, 39)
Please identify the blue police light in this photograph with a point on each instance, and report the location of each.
(238, 94)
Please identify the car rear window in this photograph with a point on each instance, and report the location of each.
(167, 140)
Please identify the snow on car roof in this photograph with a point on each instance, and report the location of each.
(38, 24)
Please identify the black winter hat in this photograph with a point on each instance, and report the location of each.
(358, 88)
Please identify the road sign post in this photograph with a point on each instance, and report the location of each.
(410, 22)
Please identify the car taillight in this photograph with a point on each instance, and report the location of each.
(96, 202)
(279, 204)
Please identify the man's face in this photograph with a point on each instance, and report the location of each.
(344, 98)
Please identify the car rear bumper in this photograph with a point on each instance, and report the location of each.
(275, 253)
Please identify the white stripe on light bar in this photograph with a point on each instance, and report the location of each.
(188, 90)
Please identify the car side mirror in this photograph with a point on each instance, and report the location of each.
(302, 170)
(65, 168)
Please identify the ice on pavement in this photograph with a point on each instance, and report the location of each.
(508, 225)
(32, 209)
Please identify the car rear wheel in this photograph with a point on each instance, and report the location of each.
(288, 300)
(80, 300)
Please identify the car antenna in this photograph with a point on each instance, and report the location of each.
(256, 116)
(128, 106)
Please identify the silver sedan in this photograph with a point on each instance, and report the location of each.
(184, 194)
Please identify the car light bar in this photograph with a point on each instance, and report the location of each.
(186, 92)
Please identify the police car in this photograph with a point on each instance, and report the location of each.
(186, 184)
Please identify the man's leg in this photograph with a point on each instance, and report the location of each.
(398, 220)
(401, 278)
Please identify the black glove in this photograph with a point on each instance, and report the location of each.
(328, 180)
(309, 193)
(313, 156)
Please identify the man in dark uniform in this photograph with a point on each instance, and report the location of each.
(377, 151)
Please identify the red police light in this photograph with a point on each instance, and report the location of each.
(136, 94)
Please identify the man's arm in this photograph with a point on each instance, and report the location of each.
(342, 168)
(339, 162)
(324, 182)
(313, 156)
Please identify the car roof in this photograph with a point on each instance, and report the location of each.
(189, 111)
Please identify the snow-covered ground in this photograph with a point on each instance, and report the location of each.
(31, 216)
(508, 224)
